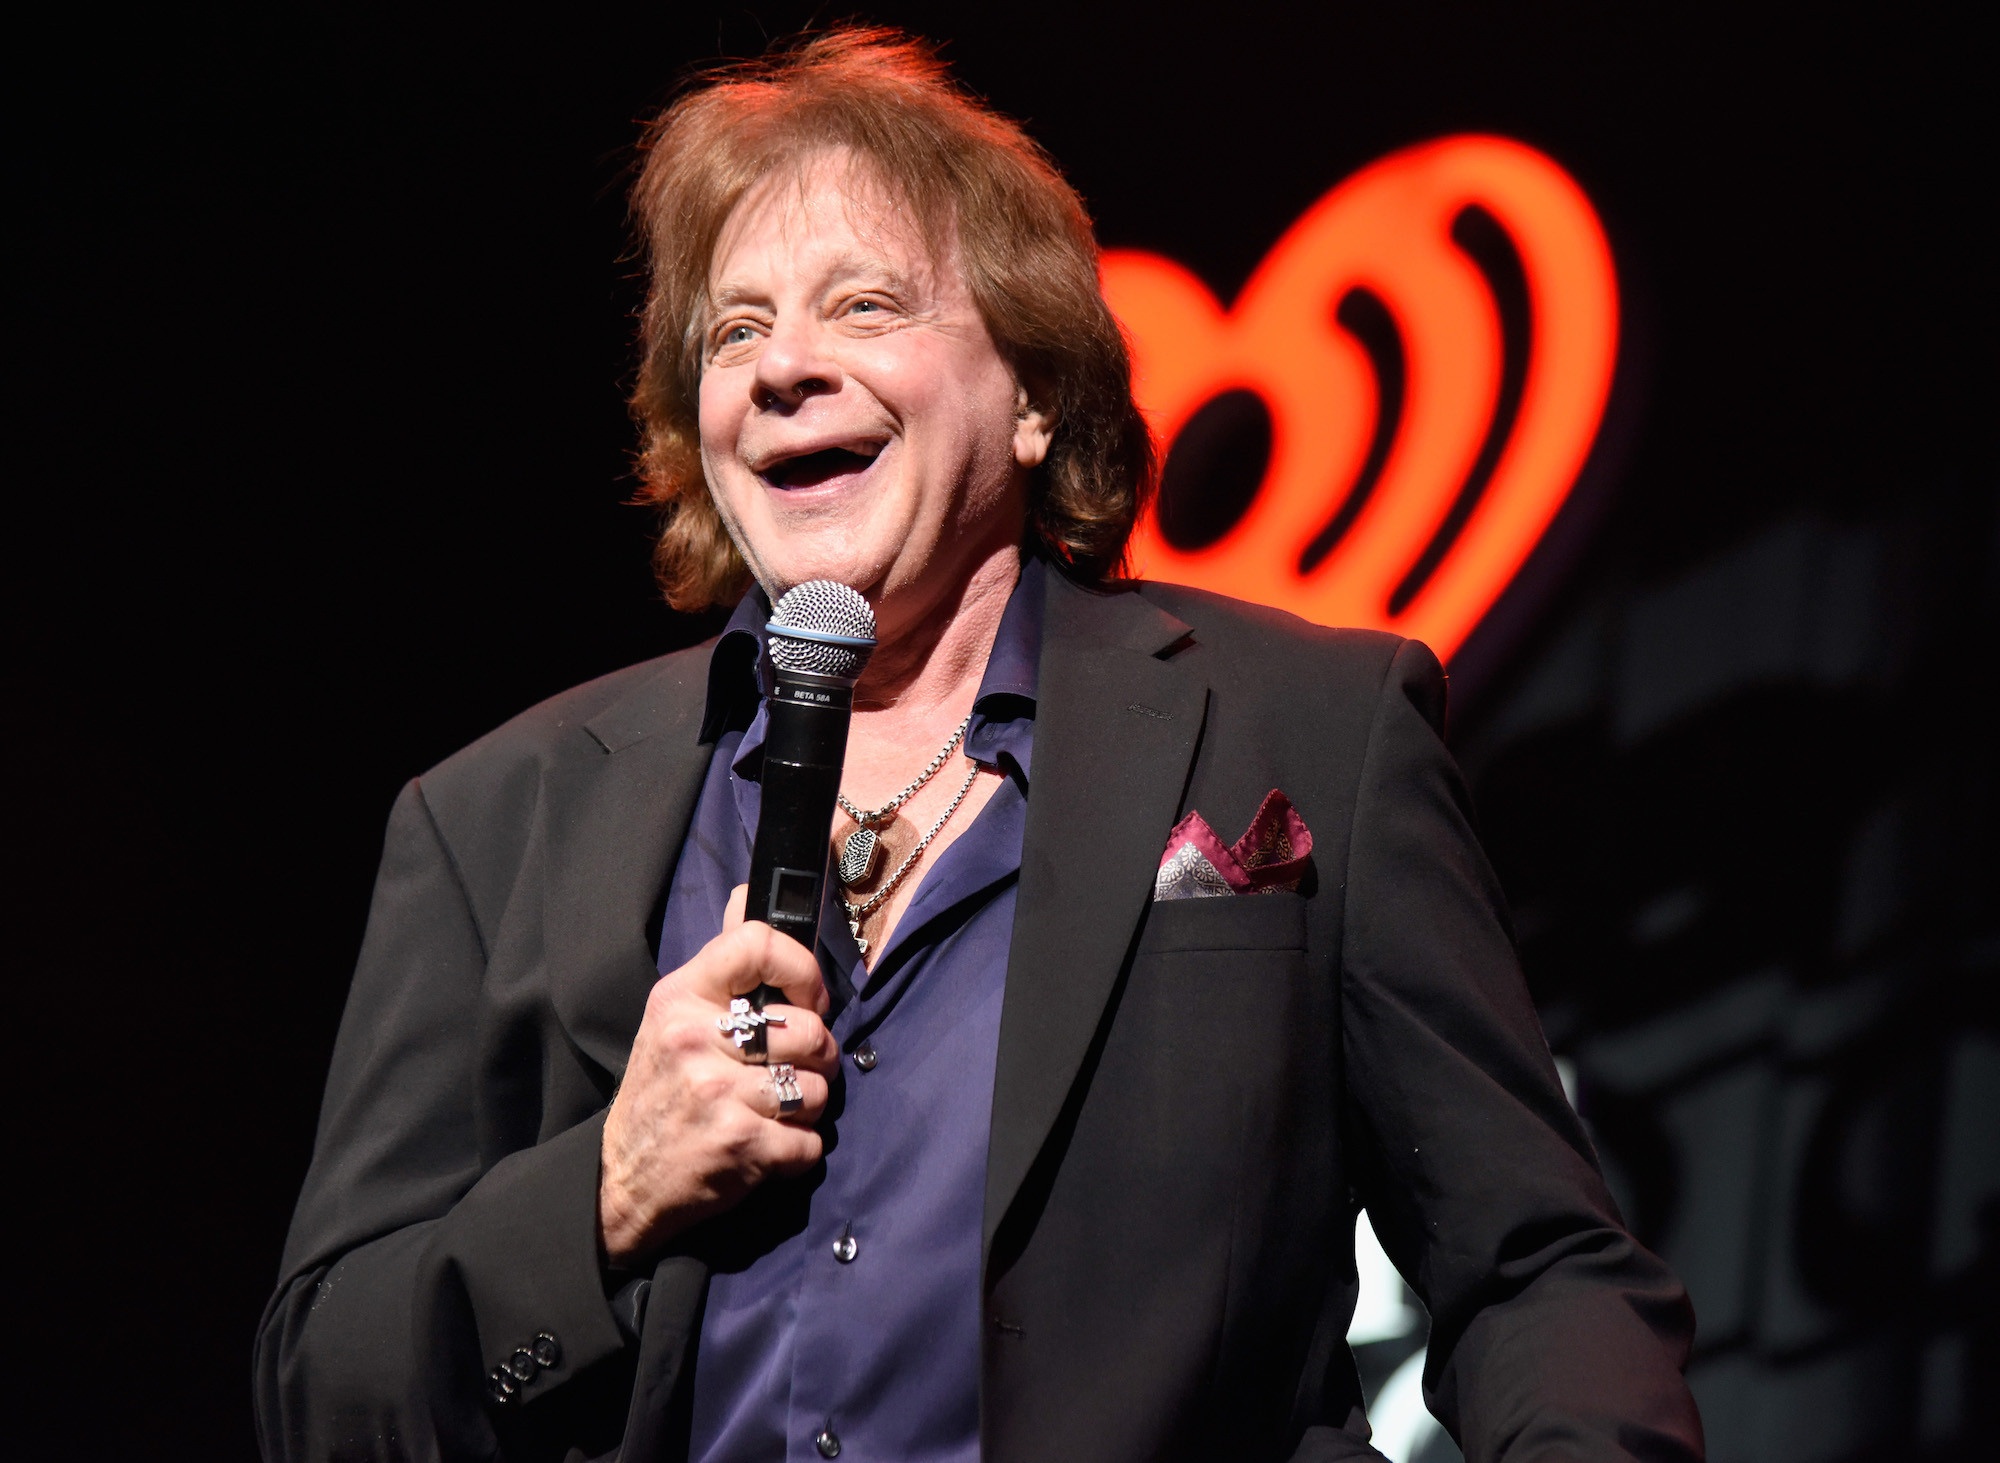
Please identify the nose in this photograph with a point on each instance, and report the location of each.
(794, 364)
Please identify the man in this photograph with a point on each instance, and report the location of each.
(1070, 1160)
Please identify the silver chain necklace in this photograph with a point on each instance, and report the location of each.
(857, 853)
(858, 912)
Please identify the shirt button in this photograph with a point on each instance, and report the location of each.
(865, 1059)
(827, 1441)
(844, 1248)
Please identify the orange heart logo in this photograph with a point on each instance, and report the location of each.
(1381, 429)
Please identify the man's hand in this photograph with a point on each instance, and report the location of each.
(695, 1125)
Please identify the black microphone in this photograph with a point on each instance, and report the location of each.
(820, 638)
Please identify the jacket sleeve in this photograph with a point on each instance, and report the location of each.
(419, 1260)
(1554, 1334)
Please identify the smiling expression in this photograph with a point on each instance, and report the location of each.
(857, 421)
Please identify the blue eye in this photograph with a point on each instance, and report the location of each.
(738, 335)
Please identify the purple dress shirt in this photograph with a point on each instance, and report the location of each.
(844, 1307)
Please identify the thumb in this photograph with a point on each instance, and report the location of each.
(732, 912)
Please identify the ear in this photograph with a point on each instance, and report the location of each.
(1034, 428)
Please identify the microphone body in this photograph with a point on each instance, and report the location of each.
(805, 745)
(820, 637)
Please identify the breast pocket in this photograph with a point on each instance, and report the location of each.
(1245, 922)
(1209, 1071)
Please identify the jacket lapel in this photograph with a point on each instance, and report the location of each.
(619, 806)
(1116, 727)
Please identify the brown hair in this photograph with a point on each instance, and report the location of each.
(972, 179)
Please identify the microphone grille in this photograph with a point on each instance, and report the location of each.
(819, 608)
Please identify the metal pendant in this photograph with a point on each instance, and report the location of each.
(854, 928)
(857, 856)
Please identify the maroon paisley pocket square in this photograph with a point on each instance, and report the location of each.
(1269, 858)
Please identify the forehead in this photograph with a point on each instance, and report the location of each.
(828, 214)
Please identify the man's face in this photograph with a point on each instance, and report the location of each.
(857, 422)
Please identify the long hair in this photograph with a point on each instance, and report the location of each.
(974, 182)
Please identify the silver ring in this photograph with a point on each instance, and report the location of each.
(785, 1082)
(745, 1027)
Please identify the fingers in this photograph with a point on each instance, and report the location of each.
(795, 973)
(748, 954)
(794, 1148)
(803, 1040)
(695, 1125)
(684, 1143)
(812, 1090)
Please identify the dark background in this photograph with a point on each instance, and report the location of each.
(319, 467)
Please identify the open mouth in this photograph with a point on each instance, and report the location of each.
(810, 469)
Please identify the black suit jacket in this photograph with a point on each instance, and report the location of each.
(1191, 1097)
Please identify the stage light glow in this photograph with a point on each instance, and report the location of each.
(1483, 443)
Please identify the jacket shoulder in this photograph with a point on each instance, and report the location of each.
(613, 709)
(487, 791)
(1239, 627)
(485, 800)
(1253, 645)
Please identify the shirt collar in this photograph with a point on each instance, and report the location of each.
(1002, 731)
(1014, 666)
(739, 665)
(737, 668)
